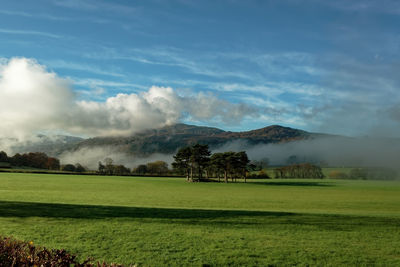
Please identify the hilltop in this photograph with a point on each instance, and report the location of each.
(165, 140)
(168, 139)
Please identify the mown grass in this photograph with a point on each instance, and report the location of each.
(167, 221)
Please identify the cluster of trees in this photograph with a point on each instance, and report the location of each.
(73, 168)
(110, 169)
(197, 163)
(304, 170)
(37, 160)
(152, 168)
(158, 167)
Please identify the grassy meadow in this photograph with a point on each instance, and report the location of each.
(167, 221)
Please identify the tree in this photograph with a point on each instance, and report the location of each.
(121, 170)
(141, 169)
(218, 161)
(102, 168)
(304, 170)
(182, 161)
(192, 160)
(241, 163)
(79, 168)
(68, 168)
(109, 168)
(157, 167)
(233, 164)
(53, 164)
(18, 160)
(4, 157)
(199, 159)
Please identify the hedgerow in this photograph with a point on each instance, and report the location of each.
(25, 254)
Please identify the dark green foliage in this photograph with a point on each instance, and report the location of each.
(141, 169)
(182, 161)
(68, 168)
(232, 164)
(192, 161)
(304, 170)
(102, 168)
(111, 169)
(158, 167)
(4, 157)
(79, 168)
(199, 159)
(19, 253)
(196, 160)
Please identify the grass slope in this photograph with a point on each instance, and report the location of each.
(167, 221)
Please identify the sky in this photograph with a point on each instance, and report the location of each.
(97, 67)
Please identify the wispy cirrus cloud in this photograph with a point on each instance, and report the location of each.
(96, 6)
(31, 32)
(62, 64)
(171, 57)
(35, 15)
(59, 18)
(94, 83)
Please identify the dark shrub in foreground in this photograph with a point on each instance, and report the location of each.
(24, 254)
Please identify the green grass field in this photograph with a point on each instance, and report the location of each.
(167, 221)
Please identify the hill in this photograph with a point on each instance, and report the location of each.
(164, 140)
(168, 139)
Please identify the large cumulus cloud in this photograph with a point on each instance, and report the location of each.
(33, 100)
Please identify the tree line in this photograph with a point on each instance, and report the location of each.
(37, 160)
(304, 170)
(195, 162)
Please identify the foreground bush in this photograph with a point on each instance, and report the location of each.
(24, 254)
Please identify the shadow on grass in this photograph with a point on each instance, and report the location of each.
(226, 218)
(52, 210)
(294, 183)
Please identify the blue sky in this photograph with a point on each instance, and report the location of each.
(327, 66)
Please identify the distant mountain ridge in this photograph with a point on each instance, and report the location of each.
(167, 139)
(170, 138)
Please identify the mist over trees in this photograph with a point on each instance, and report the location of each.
(197, 163)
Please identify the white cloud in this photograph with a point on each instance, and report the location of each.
(34, 100)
